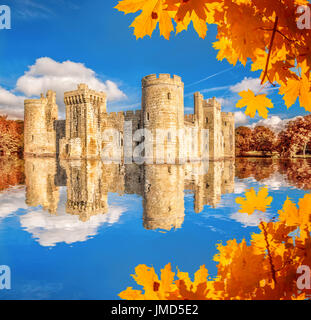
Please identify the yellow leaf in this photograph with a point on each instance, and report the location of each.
(254, 103)
(253, 201)
(130, 6)
(167, 279)
(290, 90)
(147, 278)
(297, 87)
(130, 294)
(200, 276)
(224, 45)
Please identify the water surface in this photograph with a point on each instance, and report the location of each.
(78, 229)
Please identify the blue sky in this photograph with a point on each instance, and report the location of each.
(96, 35)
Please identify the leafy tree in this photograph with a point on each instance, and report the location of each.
(264, 139)
(298, 172)
(260, 139)
(259, 169)
(243, 140)
(12, 173)
(11, 137)
(296, 137)
(272, 34)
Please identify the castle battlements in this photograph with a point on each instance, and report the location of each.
(84, 94)
(81, 136)
(162, 78)
(212, 103)
(189, 117)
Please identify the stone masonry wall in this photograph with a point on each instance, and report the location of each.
(39, 131)
(162, 109)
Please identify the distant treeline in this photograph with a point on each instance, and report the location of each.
(293, 141)
(12, 173)
(11, 137)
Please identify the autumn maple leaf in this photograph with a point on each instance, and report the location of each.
(298, 217)
(153, 12)
(253, 201)
(155, 288)
(224, 45)
(254, 103)
(297, 87)
(261, 31)
(265, 269)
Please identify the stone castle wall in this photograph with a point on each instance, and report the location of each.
(81, 135)
(163, 200)
(39, 130)
(84, 108)
(160, 187)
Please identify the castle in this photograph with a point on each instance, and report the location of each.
(80, 136)
(161, 188)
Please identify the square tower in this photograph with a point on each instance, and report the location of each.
(84, 110)
(212, 120)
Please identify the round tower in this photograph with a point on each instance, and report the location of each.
(163, 114)
(163, 197)
(39, 118)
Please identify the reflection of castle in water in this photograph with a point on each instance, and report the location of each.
(162, 187)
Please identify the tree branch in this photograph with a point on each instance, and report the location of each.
(270, 49)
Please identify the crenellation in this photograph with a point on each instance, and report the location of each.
(162, 78)
(212, 103)
(189, 117)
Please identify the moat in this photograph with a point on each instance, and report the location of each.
(77, 229)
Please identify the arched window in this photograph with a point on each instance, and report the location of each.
(206, 120)
(169, 96)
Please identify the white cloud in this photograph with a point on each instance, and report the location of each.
(240, 187)
(275, 182)
(253, 84)
(240, 118)
(52, 229)
(252, 220)
(11, 200)
(11, 105)
(225, 102)
(48, 74)
(63, 227)
(275, 123)
(189, 109)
